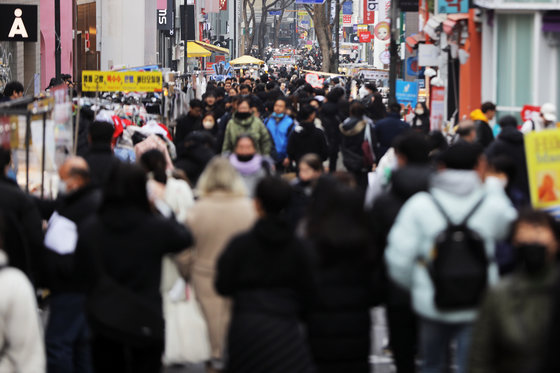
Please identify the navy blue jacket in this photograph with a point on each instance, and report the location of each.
(386, 130)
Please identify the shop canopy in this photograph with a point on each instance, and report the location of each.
(212, 47)
(246, 60)
(195, 50)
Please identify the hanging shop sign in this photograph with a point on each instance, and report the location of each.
(543, 168)
(165, 15)
(407, 93)
(365, 37)
(370, 7)
(452, 6)
(111, 81)
(437, 108)
(18, 22)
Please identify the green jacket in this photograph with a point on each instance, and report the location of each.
(251, 126)
(512, 324)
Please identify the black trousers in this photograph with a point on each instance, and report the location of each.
(403, 332)
(110, 356)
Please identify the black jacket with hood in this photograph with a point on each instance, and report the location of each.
(306, 138)
(353, 132)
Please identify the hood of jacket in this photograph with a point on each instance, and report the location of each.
(245, 122)
(511, 135)
(353, 126)
(478, 115)
(410, 180)
(457, 182)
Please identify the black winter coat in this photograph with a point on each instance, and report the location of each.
(268, 273)
(331, 116)
(101, 161)
(386, 130)
(185, 125)
(421, 123)
(131, 243)
(353, 131)
(23, 230)
(305, 139)
(510, 143)
(484, 134)
(60, 275)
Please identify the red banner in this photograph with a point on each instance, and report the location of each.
(370, 6)
(223, 4)
(365, 37)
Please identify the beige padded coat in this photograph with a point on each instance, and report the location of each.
(214, 220)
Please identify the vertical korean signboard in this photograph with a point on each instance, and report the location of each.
(370, 7)
(165, 16)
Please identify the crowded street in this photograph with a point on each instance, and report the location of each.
(281, 186)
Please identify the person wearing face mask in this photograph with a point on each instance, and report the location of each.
(421, 120)
(251, 165)
(67, 334)
(244, 122)
(189, 123)
(306, 137)
(280, 126)
(310, 168)
(513, 322)
(209, 124)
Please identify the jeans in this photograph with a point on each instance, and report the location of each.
(435, 341)
(67, 335)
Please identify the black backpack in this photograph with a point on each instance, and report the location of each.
(459, 266)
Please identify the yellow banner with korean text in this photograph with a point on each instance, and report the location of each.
(542, 150)
(117, 81)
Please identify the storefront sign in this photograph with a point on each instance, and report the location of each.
(18, 22)
(223, 4)
(437, 108)
(453, 6)
(407, 93)
(374, 74)
(365, 37)
(529, 111)
(346, 20)
(165, 15)
(110, 81)
(543, 168)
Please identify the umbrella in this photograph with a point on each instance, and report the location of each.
(246, 60)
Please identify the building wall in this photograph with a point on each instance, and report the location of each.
(128, 29)
(47, 39)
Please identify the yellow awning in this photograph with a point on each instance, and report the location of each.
(212, 47)
(246, 60)
(195, 50)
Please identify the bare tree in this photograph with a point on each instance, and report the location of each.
(284, 4)
(321, 15)
(248, 37)
(269, 6)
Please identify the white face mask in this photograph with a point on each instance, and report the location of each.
(62, 188)
(420, 111)
(208, 124)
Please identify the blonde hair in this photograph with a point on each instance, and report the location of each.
(220, 176)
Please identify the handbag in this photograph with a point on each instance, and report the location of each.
(367, 148)
(186, 332)
(118, 313)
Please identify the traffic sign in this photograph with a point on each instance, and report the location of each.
(310, 1)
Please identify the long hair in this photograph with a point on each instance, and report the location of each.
(220, 176)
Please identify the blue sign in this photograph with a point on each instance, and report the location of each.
(412, 67)
(310, 1)
(275, 12)
(347, 7)
(407, 92)
(453, 6)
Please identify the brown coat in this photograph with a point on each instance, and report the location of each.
(214, 220)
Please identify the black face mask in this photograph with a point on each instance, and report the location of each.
(243, 116)
(245, 157)
(532, 257)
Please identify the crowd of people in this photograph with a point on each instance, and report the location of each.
(287, 215)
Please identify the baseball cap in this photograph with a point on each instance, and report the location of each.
(548, 112)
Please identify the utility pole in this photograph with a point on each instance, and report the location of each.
(57, 50)
(337, 36)
(393, 49)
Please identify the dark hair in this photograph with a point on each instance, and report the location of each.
(371, 87)
(335, 94)
(101, 132)
(196, 103)
(425, 107)
(220, 92)
(462, 156)
(270, 85)
(13, 87)
(537, 218)
(357, 109)
(209, 114)
(395, 107)
(504, 164)
(5, 158)
(487, 106)
(413, 146)
(313, 161)
(305, 112)
(274, 195)
(377, 109)
(154, 161)
(437, 141)
(126, 186)
(508, 121)
(245, 86)
(465, 127)
(245, 99)
(209, 94)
